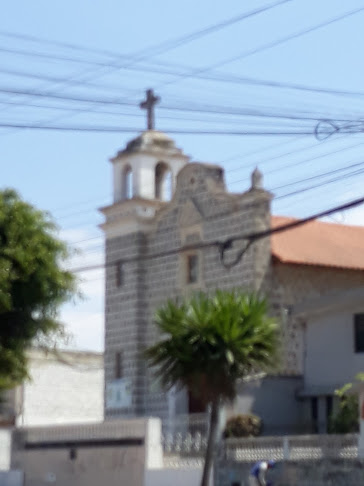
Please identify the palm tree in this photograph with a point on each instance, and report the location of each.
(208, 343)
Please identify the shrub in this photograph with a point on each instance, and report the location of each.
(346, 419)
(247, 425)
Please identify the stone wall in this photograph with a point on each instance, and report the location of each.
(125, 323)
(201, 210)
(288, 285)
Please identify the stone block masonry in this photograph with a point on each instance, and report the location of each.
(201, 210)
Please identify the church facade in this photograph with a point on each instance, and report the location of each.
(163, 203)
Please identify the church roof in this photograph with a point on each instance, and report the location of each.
(319, 243)
(151, 141)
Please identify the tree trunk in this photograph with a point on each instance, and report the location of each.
(211, 443)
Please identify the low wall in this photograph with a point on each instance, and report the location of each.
(5, 449)
(325, 472)
(174, 477)
(111, 453)
(11, 478)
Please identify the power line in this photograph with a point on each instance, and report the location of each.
(207, 119)
(325, 183)
(173, 131)
(269, 45)
(318, 176)
(156, 49)
(252, 238)
(310, 159)
(203, 108)
(160, 47)
(224, 245)
(219, 77)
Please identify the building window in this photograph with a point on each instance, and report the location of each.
(119, 365)
(359, 333)
(119, 274)
(192, 269)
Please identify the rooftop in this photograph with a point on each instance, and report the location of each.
(319, 243)
(151, 141)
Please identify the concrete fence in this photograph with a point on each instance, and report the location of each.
(131, 452)
(296, 448)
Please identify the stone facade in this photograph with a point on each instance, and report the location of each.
(292, 284)
(142, 269)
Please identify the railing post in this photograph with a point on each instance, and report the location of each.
(153, 444)
(286, 451)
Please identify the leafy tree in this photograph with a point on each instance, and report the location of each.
(208, 343)
(346, 419)
(32, 283)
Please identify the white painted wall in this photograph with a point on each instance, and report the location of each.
(143, 167)
(5, 449)
(60, 393)
(330, 356)
(174, 477)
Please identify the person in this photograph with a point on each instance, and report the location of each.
(258, 473)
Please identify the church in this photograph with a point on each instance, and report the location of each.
(161, 230)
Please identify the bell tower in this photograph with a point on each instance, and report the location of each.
(144, 179)
(147, 168)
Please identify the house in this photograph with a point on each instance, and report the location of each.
(162, 203)
(64, 387)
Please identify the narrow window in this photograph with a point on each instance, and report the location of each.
(119, 365)
(127, 183)
(329, 407)
(359, 333)
(314, 414)
(163, 182)
(192, 269)
(73, 454)
(119, 274)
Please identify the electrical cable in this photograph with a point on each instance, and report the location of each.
(269, 45)
(224, 245)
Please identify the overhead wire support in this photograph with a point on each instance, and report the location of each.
(224, 245)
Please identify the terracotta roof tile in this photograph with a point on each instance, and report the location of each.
(319, 243)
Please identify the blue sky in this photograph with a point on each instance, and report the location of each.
(68, 173)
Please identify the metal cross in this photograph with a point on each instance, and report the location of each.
(148, 104)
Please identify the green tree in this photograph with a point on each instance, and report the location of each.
(32, 283)
(208, 343)
(346, 419)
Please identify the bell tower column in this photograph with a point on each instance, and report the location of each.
(144, 176)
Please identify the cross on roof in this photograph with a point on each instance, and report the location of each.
(148, 104)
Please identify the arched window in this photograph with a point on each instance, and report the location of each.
(163, 182)
(127, 183)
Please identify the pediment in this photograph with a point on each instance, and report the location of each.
(190, 214)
